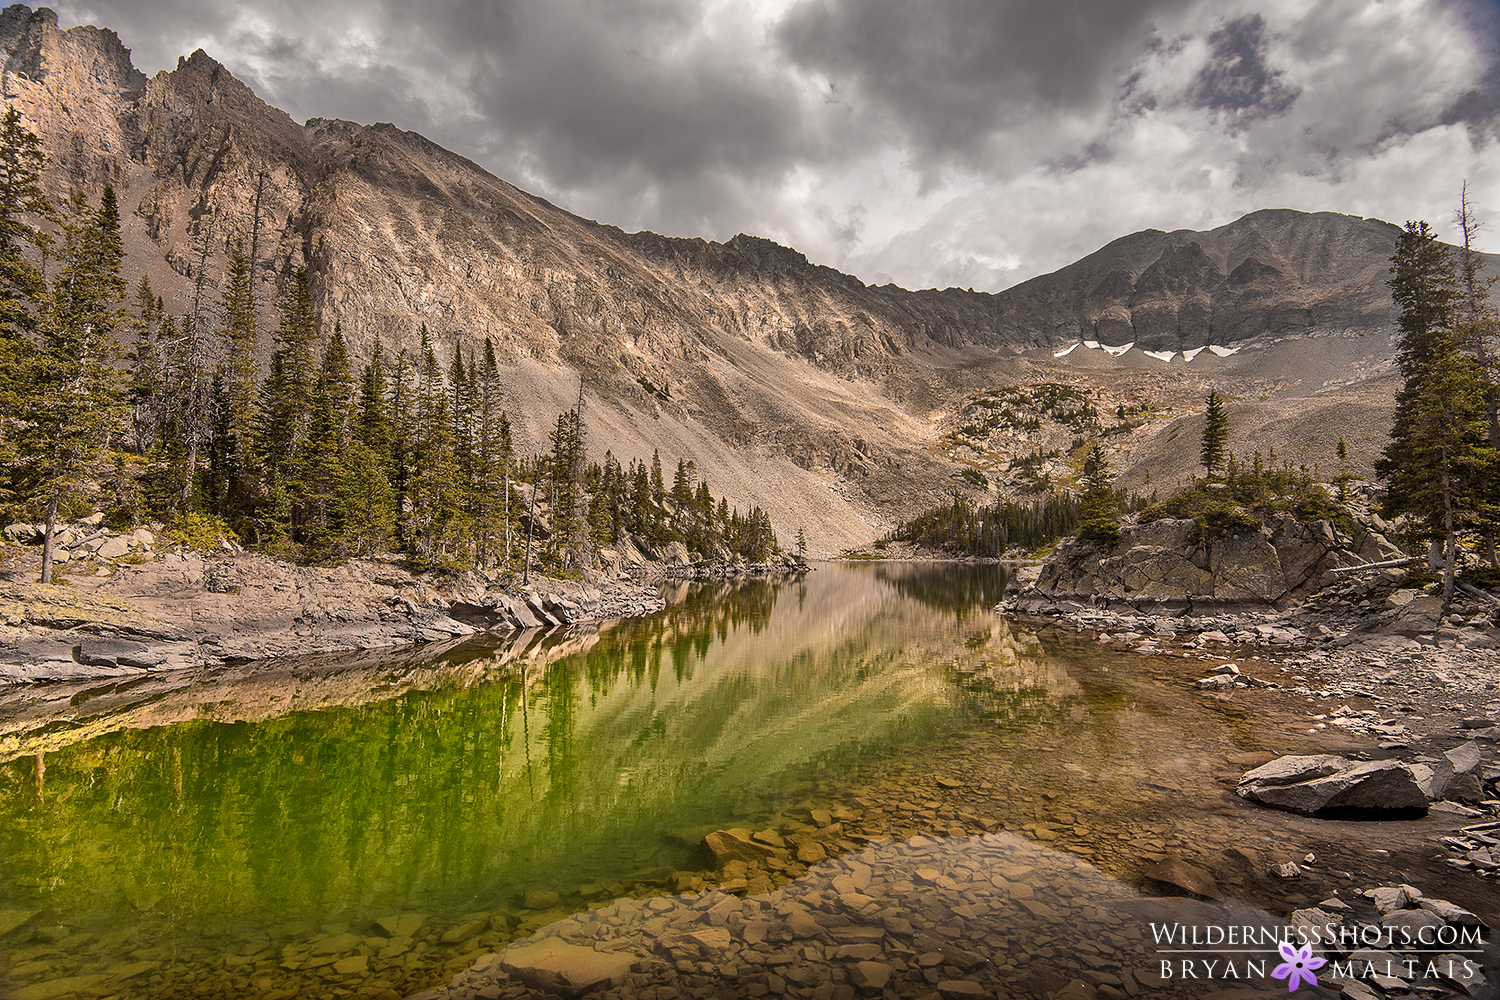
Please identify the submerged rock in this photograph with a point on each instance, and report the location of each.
(568, 969)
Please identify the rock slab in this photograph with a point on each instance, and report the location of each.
(568, 969)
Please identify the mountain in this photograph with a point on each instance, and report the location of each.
(792, 386)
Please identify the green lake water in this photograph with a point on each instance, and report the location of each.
(172, 823)
(261, 831)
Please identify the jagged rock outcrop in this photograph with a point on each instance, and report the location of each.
(1166, 562)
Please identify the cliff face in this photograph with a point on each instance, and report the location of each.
(792, 385)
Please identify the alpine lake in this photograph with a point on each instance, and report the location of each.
(372, 825)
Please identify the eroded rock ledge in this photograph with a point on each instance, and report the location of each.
(1165, 566)
(164, 610)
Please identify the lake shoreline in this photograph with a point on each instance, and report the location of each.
(123, 619)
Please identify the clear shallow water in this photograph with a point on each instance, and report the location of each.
(254, 831)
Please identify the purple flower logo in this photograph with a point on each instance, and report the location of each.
(1299, 966)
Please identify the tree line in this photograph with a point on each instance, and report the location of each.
(308, 458)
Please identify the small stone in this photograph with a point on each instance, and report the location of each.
(735, 845)
(336, 944)
(811, 853)
(961, 988)
(1288, 869)
(352, 964)
(403, 925)
(540, 900)
(461, 932)
(803, 924)
(871, 976)
(1176, 872)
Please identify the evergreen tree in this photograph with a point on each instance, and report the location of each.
(1215, 433)
(374, 420)
(682, 484)
(286, 406)
(402, 389)
(23, 245)
(72, 395)
(433, 520)
(324, 475)
(241, 335)
(490, 466)
(1099, 510)
(1478, 333)
(565, 470)
(1438, 464)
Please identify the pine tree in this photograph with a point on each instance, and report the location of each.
(682, 484)
(1099, 509)
(374, 420)
(241, 335)
(491, 461)
(71, 393)
(1438, 463)
(433, 521)
(565, 472)
(324, 475)
(402, 390)
(1478, 333)
(286, 405)
(23, 245)
(1215, 433)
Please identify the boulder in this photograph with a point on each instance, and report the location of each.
(22, 534)
(114, 548)
(1322, 784)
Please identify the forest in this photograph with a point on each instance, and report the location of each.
(111, 403)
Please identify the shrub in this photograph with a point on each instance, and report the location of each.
(193, 530)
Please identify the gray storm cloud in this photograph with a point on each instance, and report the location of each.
(940, 142)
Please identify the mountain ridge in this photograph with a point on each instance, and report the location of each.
(743, 355)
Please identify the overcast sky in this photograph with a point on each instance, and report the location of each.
(930, 142)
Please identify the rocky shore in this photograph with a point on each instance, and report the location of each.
(131, 604)
(993, 915)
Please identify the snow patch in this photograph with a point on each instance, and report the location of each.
(1092, 345)
(1222, 352)
(1190, 355)
(1160, 355)
(1066, 351)
(1115, 352)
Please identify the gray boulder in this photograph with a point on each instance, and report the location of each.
(1324, 783)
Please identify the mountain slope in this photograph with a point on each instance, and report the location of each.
(792, 385)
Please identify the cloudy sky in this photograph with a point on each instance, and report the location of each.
(929, 142)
